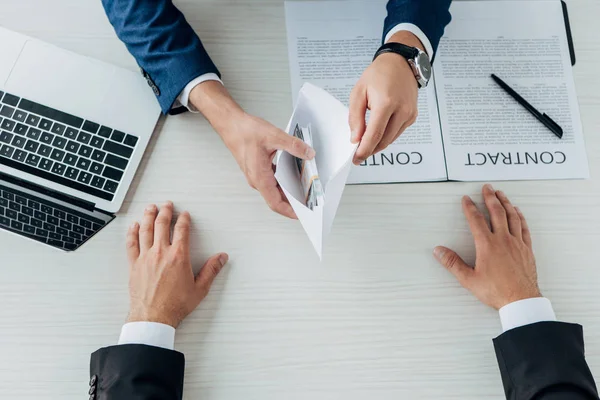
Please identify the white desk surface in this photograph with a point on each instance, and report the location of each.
(377, 319)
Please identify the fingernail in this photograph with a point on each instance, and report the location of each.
(500, 193)
(439, 252)
(468, 199)
(223, 258)
(134, 225)
(518, 210)
(354, 136)
(489, 187)
(169, 203)
(151, 207)
(310, 153)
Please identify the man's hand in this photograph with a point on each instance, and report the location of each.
(389, 89)
(252, 141)
(504, 269)
(162, 286)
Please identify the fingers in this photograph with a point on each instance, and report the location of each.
(453, 263)
(498, 218)
(275, 198)
(358, 110)
(514, 221)
(477, 223)
(162, 225)
(378, 122)
(147, 228)
(181, 231)
(133, 242)
(208, 273)
(395, 127)
(293, 145)
(525, 232)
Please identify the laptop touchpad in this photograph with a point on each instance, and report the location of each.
(11, 44)
(60, 79)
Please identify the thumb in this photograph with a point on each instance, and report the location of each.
(453, 263)
(209, 272)
(356, 118)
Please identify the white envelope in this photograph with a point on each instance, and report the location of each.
(328, 119)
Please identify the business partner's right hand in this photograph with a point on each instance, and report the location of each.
(162, 285)
(504, 270)
(252, 141)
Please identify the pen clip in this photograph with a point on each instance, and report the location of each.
(557, 129)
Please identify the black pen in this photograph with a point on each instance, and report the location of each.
(543, 118)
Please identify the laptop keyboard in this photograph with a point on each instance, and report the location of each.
(45, 221)
(62, 148)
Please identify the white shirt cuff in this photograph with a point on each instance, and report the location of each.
(415, 30)
(526, 312)
(184, 97)
(148, 333)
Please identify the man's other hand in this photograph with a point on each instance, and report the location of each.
(389, 89)
(504, 270)
(162, 285)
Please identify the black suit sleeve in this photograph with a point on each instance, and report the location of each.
(545, 361)
(136, 372)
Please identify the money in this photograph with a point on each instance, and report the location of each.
(309, 176)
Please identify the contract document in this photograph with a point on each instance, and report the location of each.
(468, 128)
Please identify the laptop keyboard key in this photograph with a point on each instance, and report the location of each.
(16, 225)
(8, 125)
(65, 225)
(57, 155)
(19, 155)
(14, 206)
(7, 151)
(45, 150)
(59, 142)
(70, 159)
(84, 177)
(41, 232)
(20, 129)
(33, 204)
(10, 99)
(83, 163)
(59, 168)
(98, 155)
(27, 211)
(33, 133)
(72, 173)
(115, 161)
(4, 221)
(37, 222)
(73, 219)
(20, 115)
(32, 120)
(72, 146)
(117, 149)
(52, 219)
(60, 214)
(62, 231)
(45, 124)
(46, 209)
(90, 126)
(85, 151)
(84, 137)
(21, 200)
(110, 186)
(18, 141)
(23, 218)
(58, 129)
(29, 229)
(97, 142)
(112, 173)
(12, 214)
(32, 146)
(85, 223)
(71, 133)
(49, 227)
(7, 111)
(98, 182)
(117, 136)
(130, 140)
(105, 132)
(46, 138)
(6, 137)
(96, 168)
(33, 160)
(46, 164)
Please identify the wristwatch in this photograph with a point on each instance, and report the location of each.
(417, 59)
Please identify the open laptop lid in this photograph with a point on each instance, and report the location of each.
(90, 89)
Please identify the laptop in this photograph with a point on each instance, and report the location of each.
(72, 134)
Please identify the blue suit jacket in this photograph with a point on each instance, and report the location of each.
(171, 55)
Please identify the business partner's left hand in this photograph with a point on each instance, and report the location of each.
(389, 89)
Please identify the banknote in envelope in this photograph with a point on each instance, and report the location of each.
(309, 176)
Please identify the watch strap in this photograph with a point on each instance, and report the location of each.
(409, 53)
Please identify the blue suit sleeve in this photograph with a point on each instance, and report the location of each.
(165, 46)
(431, 16)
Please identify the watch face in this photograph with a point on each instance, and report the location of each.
(424, 66)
